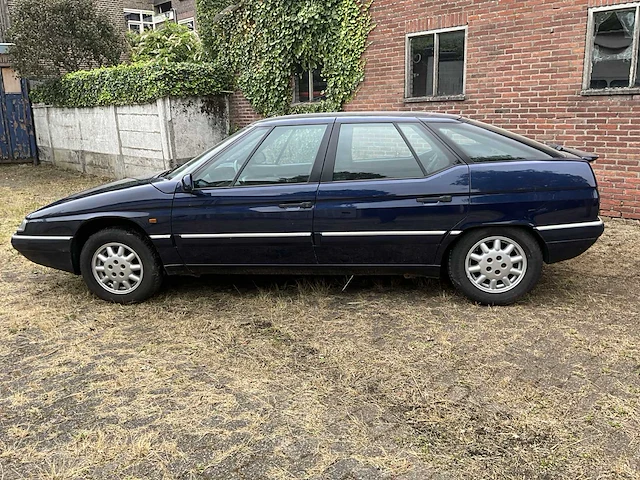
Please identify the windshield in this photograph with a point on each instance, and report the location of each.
(195, 163)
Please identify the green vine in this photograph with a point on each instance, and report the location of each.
(266, 41)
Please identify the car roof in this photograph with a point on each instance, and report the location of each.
(367, 116)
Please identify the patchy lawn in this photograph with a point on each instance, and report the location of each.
(251, 378)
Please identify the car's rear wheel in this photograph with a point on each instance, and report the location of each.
(495, 266)
(120, 266)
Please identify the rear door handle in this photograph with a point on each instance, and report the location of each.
(296, 205)
(440, 199)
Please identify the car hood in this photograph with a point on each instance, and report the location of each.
(160, 183)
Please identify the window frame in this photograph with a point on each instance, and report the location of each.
(436, 49)
(296, 87)
(634, 73)
(156, 19)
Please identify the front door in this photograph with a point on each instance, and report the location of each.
(254, 204)
(390, 192)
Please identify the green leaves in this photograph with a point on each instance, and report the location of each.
(265, 41)
(141, 82)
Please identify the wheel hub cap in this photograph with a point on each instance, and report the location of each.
(496, 264)
(117, 268)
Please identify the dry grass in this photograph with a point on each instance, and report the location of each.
(278, 378)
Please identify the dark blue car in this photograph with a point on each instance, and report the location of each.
(383, 193)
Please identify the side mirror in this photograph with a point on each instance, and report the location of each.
(187, 183)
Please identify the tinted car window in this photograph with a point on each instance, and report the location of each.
(482, 145)
(224, 169)
(373, 150)
(432, 156)
(286, 156)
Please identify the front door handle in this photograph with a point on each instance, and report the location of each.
(296, 205)
(440, 199)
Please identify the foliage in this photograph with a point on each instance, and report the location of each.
(266, 42)
(130, 84)
(171, 43)
(59, 36)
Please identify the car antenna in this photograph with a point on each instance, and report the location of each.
(347, 284)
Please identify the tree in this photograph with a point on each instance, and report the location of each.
(59, 36)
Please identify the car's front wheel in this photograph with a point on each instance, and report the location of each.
(120, 266)
(495, 266)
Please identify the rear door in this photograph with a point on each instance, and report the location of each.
(390, 192)
(254, 204)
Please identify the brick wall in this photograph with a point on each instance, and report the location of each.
(525, 64)
(241, 113)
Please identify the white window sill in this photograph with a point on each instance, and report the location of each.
(610, 91)
(441, 98)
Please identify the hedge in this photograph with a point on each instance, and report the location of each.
(133, 84)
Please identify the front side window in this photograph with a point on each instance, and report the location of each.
(435, 64)
(482, 145)
(613, 48)
(223, 170)
(373, 151)
(287, 155)
(309, 86)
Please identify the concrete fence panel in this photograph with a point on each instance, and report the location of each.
(133, 140)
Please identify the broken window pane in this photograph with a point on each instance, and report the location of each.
(421, 66)
(451, 63)
(612, 48)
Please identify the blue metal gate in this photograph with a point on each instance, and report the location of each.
(17, 135)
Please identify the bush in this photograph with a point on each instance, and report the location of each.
(171, 43)
(131, 84)
(59, 36)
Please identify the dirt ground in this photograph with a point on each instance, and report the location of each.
(278, 378)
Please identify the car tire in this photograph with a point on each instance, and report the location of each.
(120, 266)
(495, 266)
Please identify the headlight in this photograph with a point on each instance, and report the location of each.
(22, 226)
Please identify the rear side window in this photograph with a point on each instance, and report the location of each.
(373, 151)
(432, 156)
(482, 145)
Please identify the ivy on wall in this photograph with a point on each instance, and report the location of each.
(265, 42)
(135, 83)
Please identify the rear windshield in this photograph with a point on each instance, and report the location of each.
(482, 144)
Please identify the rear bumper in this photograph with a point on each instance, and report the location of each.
(568, 241)
(50, 251)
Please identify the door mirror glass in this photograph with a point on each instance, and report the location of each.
(187, 182)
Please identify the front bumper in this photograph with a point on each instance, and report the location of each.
(50, 251)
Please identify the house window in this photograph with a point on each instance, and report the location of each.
(309, 86)
(163, 7)
(139, 20)
(612, 50)
(190, 23)
(436, 63)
